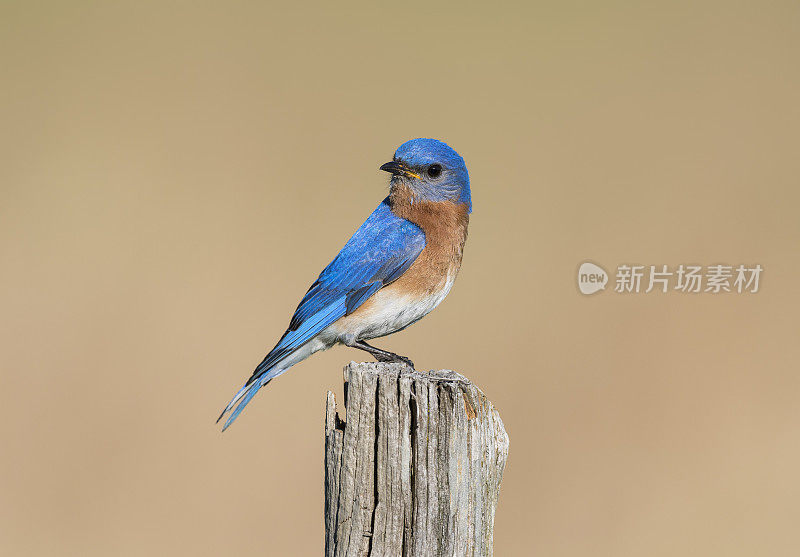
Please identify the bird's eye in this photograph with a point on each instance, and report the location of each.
(434, 170)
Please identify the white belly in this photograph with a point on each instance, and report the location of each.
(389, 312)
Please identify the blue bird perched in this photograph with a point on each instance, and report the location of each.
(398, 266)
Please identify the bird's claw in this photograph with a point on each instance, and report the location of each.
(406, 361)
(395, 358)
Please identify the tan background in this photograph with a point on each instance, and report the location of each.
(174, 175)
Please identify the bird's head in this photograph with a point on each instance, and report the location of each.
(431, 170)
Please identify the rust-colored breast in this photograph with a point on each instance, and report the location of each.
(445, 226)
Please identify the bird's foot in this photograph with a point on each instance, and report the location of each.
(381, 355)
(394, 358)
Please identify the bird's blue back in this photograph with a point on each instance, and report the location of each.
(379, 252)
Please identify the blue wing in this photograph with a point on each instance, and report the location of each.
(378, 253)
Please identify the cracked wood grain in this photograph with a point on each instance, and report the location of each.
(415, 469)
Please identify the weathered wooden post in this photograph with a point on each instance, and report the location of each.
(415, 469)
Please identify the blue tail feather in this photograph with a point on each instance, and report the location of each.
(250, 391)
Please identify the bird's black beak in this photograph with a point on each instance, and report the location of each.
(397, 168)
(394, 167)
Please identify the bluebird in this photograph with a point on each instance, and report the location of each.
(398, 266)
